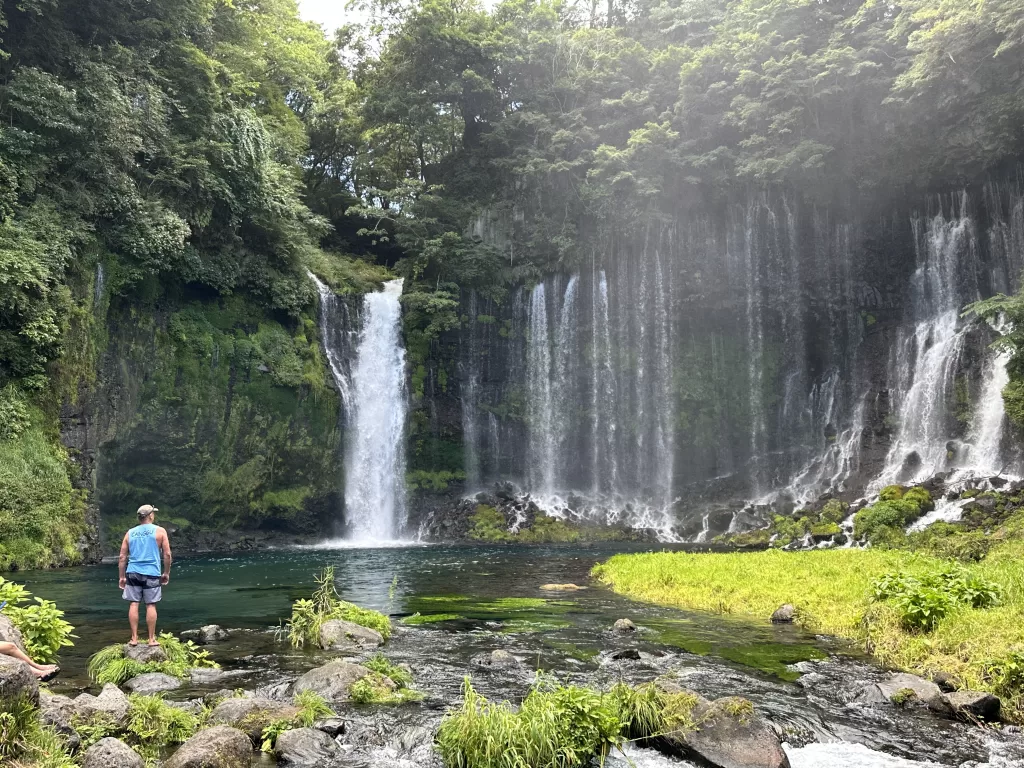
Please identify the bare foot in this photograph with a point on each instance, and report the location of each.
(153, 643)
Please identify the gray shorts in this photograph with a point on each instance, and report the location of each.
(142, 589)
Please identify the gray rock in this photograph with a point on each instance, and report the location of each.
(193, 706)
(10, 633)
(496, 659)
(332, 726)
(111, 753)
(624, 625)
(947, 683)
(626, 654)
(16, 682)
(206, 675)
(907, 690)
(55, 712)
(251, 716)
(152, 682)
(811, 680)
(975, 705)
(340, 635)
(728, 735)
(411, 738)
(145, 654)
(306, 748)
(332, 681)
(211, 633)
(217, 747)
(111, 702)
(784, 614)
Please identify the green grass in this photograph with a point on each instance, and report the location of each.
(833, 593)
(557, 726)
(110, 665)
(374, 689)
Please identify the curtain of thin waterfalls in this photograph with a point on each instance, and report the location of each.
(375, 456)
(928, 349)
(469, 402)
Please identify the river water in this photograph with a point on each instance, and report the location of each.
(492, 599)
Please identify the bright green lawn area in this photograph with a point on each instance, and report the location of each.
(831, 590)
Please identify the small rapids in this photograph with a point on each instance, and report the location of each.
(490, 598)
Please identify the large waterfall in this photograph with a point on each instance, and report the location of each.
(375, 454)
(368, 368)
(771, 351)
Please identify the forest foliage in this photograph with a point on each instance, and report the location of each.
(153, 153)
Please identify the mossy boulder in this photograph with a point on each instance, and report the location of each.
(252, 715)
(217, 747)
(333, 681)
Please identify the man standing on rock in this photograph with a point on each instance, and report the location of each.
(142, 578)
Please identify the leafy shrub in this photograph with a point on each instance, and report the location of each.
(921, 497)
(891, 493)
(110, 665)
(42, 625)
(923, 602)
(309, 615)
(834, 511)
(870, 521)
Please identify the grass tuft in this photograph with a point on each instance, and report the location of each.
(110, 665)
(309, 615)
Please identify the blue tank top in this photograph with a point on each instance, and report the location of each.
(143, 551)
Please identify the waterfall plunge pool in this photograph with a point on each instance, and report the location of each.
(491, 598)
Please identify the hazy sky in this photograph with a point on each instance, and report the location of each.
(331, 14)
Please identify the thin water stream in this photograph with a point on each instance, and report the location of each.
(491, 598)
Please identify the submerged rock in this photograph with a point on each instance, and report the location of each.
(561, 587)
(206, 675)
(211, 633)
(306, 748)
(496, 659)
(111, 753)
(729, 734)
(152, 682)
(251, 716)
(624, 625)
(784, 614)
(975, 705)
(332, 681)
(217, 747)
(626, 654)
(341, 635)
(145, 654)
(16, 683)
(905, 689)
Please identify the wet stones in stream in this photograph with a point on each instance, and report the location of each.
(348, 637)
(252, 715)
(111, 753)
(152, 682)
(334, 680)
(306, 748)
(496, 659)
(218, 747)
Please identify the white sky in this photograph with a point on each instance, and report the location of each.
(330, 14)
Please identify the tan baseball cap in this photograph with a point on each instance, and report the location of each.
(146, 510)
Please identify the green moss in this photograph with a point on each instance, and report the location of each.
(418, 619)
(903, 695)
(374, 689)
(825, 529)
(488, 524)
(424, 480)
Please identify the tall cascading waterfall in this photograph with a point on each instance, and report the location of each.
(375, 455)
(469, 402)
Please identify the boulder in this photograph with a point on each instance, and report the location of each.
(624, 625)
(411, 738)
(561, 587)
(811, 680)
(496, 659)
(16, 683)
(55, 712)
(332, 681)
(947, 683)
(145, 654)
(111, 753)
(211, 633)
(729, 734)
(626, 654)
(975, 705)
(306, 748)
(111, 703)
(10, 633)
(906, 690)
(332, 726)
(206, 675)
(152, 682)
(341, 635)
(784, 614)
(251, 716)
(217, 747)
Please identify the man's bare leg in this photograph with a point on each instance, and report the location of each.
(151, 622)
(39, 670)
(133, 622)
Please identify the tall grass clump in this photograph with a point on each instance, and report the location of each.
(110, 665)
(375, 688)
(42, 625)
(326, 604)
(556, 727)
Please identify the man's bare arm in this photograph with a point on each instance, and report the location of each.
(122, 563)
(165, 545)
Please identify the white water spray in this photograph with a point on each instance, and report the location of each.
(375, 457)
